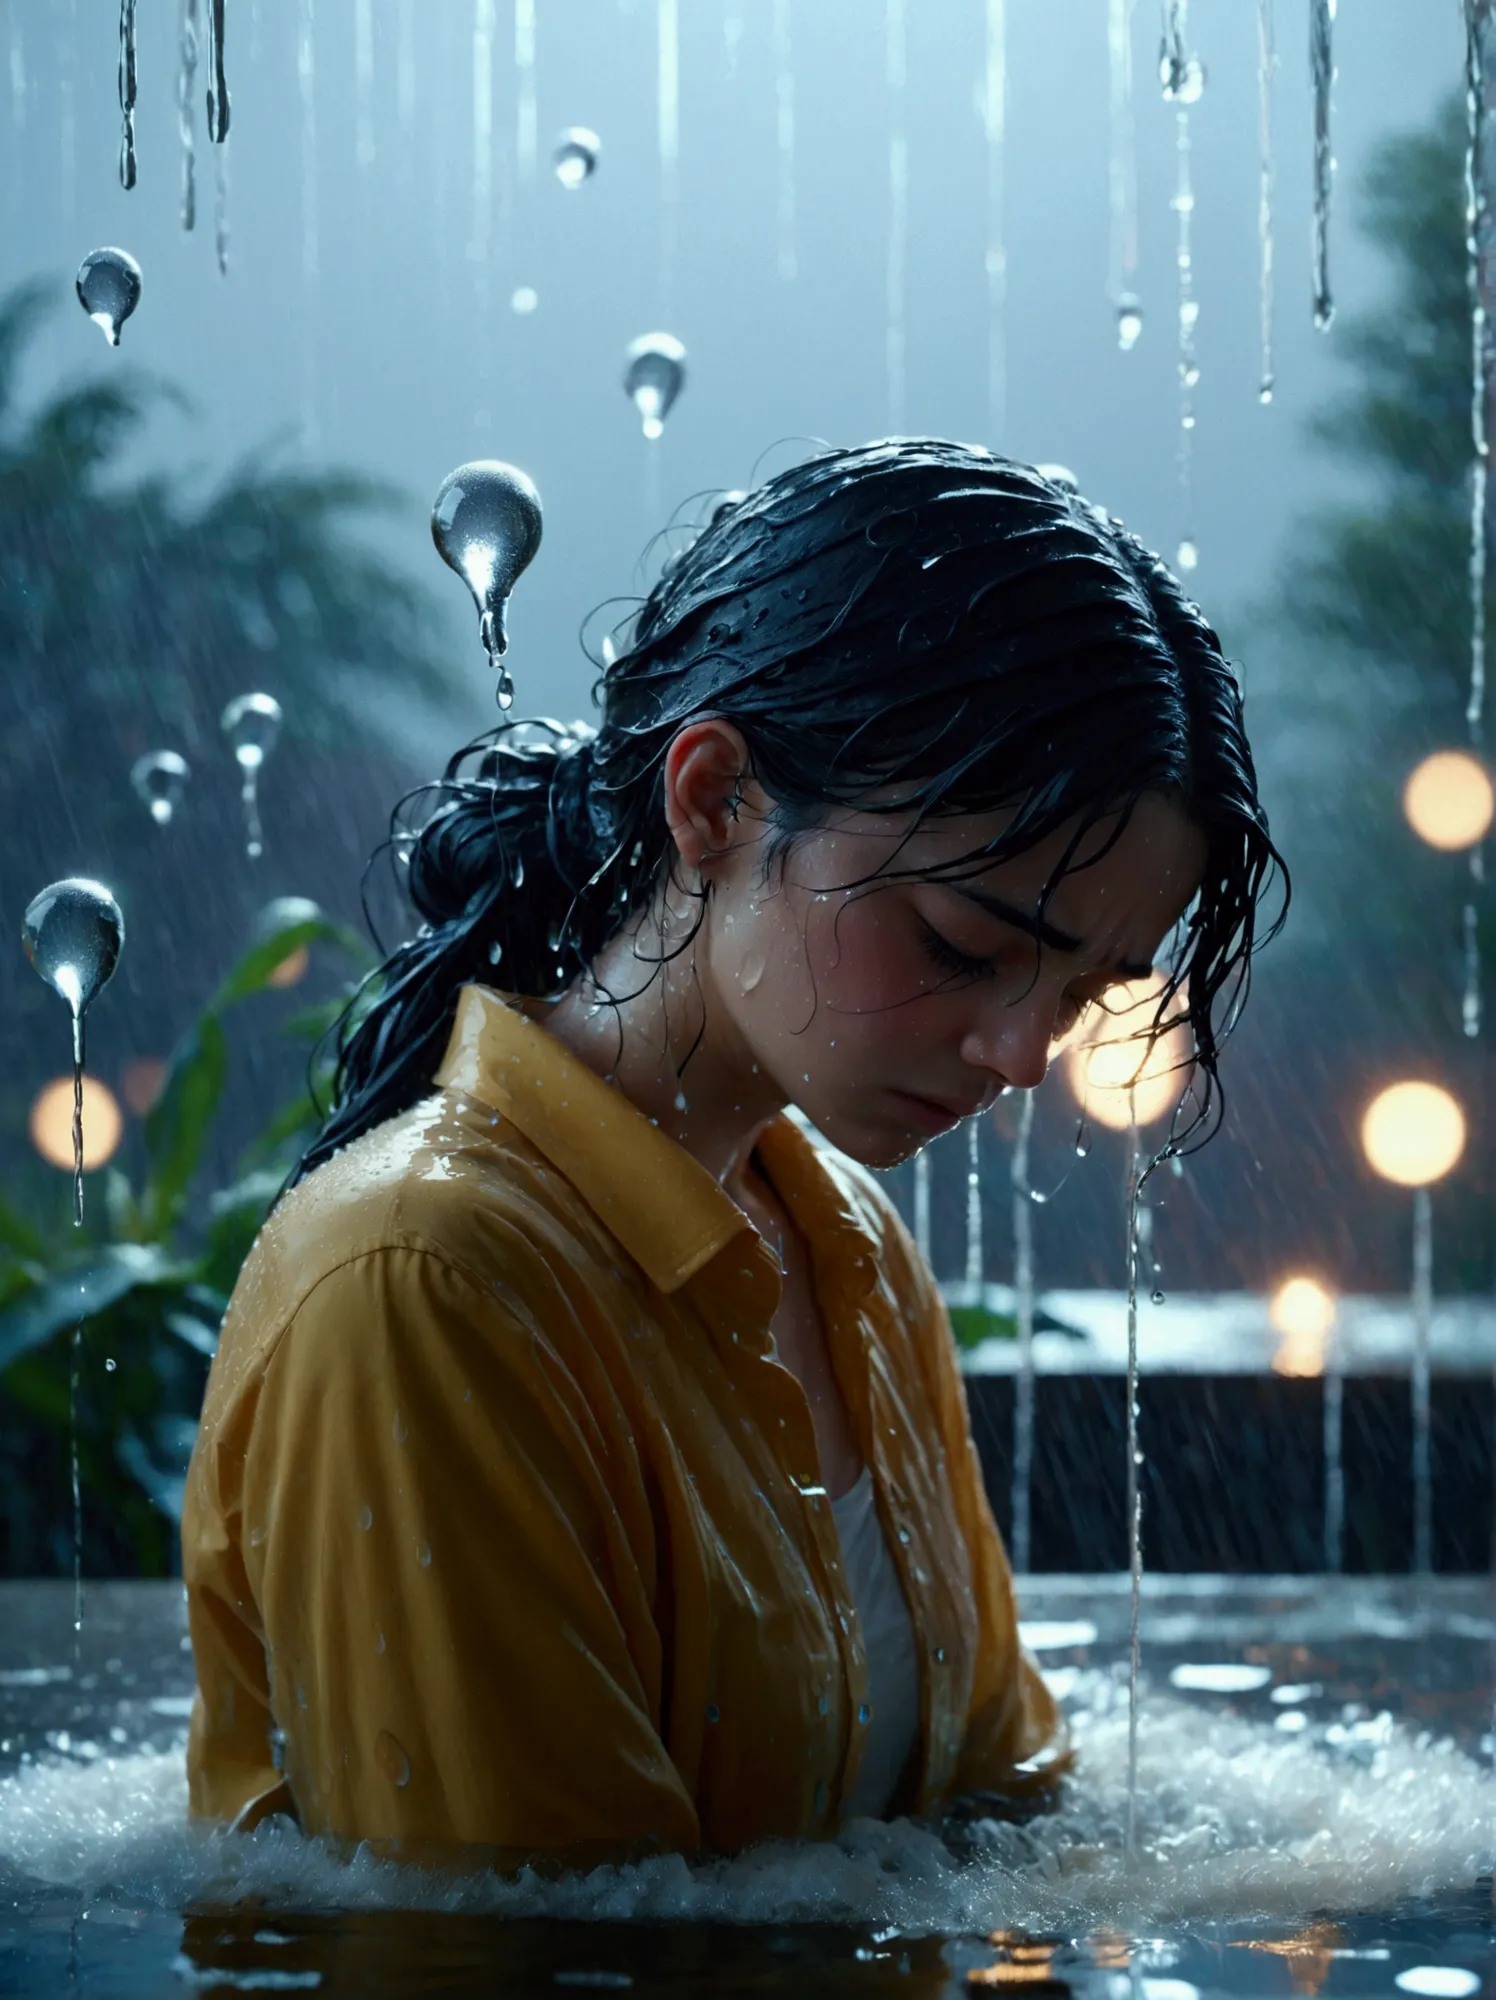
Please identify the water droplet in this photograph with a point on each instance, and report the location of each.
(256, 1539)
(1129, 321)
(423, 1554)
(110, 1364)
(726, 505)
(400, 1430)
(940, 1655)
(1187, 555)
(713, 1713)
(823, 1706)
(1182, 77)
(1157, 1296)
(389, 1755)
(158, 780)
(865, 1712)
(523, 300)
(680, 1101)
(495, 952)
(378, 1639)
(654, 376)
(108, 286)
(73, 932)
(252, 723)
(486, 524)
(366, 1518)
(575, 157)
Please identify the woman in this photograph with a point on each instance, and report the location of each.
(585, 1468)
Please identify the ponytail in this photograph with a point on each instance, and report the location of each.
(506, 872)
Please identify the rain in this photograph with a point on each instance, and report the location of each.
(1224, 272)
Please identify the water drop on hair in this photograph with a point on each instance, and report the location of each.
(575, 157)
(158, 780)
(653, 377)
(108, 287)
(519, 871)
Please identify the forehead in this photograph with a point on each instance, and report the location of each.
(1157, 840)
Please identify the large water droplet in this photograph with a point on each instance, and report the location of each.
(108, 286)
(73, 932)
(1187, 556)
(1129, 321)
(729, 502)
(575, 157)
(252, 723)
(486, 524)
(1182, 76)
(654, 376)
(159, 779)
(389, 1755)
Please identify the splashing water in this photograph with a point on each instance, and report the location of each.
(1423, 1314)
(785, 259)
(127, 84)
(575, 157)
(1122, 178)
(108, 288)
(1233, 1818)
(486, 524)
(158, 780)
(73, 933)
(187, 47)
(252, 723)
(895, 59)
(218, 87)
(1267, 64)
(1322, 83)
(1023, 1308)
(654, 375)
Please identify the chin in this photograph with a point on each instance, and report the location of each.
(876, 1146)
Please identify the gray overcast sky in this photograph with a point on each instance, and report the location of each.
(391, 353)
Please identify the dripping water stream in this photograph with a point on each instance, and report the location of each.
(1134, 1481)
(1322, 82)
(1267, 64)
(1423, 1312)
(127, 88)
(1023, 1313)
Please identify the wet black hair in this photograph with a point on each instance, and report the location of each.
(912, 626)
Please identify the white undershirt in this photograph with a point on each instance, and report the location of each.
(888, 1635)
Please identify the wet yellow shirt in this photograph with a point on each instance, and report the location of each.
(504, 1524)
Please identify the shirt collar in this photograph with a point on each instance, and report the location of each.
(663, 1206)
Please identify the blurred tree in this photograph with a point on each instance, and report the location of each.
(1364, 673)
(133, 606)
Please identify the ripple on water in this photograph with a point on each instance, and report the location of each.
(1235, 1819)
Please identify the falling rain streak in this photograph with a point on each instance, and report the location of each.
(922, 1204)
(667, 83)
(480, 246)
(218, 86)
(1023, 1313)
(1267, 64)
(127, 93)
(994, 119)
(1423, 1313)
(1322, 83)
(1478, 50)
(1183, 81)
(363, 81)
(1122, 178)
(221, 208)
(526, 127)
(784, 139)
(187, 49)
(975, 1254)
(895, 44)
(1134, 1483)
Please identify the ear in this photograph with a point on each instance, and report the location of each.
(706, 770)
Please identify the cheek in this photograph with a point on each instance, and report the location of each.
(870, 972)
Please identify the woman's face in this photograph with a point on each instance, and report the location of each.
(892, 1011)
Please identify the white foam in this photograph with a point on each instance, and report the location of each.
(1235, 1819)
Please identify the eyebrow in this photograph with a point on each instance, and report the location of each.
(1039, 928)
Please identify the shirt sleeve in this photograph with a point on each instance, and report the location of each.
(1016, 1741)
(457, 1616)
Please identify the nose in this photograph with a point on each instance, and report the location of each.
(1012, 1040)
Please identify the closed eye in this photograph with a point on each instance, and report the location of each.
(952, 959)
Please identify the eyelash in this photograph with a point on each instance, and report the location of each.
(946, 954)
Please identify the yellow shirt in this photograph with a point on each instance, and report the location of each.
(504, 1526)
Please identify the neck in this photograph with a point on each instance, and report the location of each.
(717, 1103)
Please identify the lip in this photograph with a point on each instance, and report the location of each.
(940, 1116)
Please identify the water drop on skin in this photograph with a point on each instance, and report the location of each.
(252, 723)
(108, 287)
(486, 524)
(158, 780)
(653, 377)
(389, 1755)
(73, 933)
(575, 157)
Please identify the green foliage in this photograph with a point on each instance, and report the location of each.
(972, 1324)
(143, 1285)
